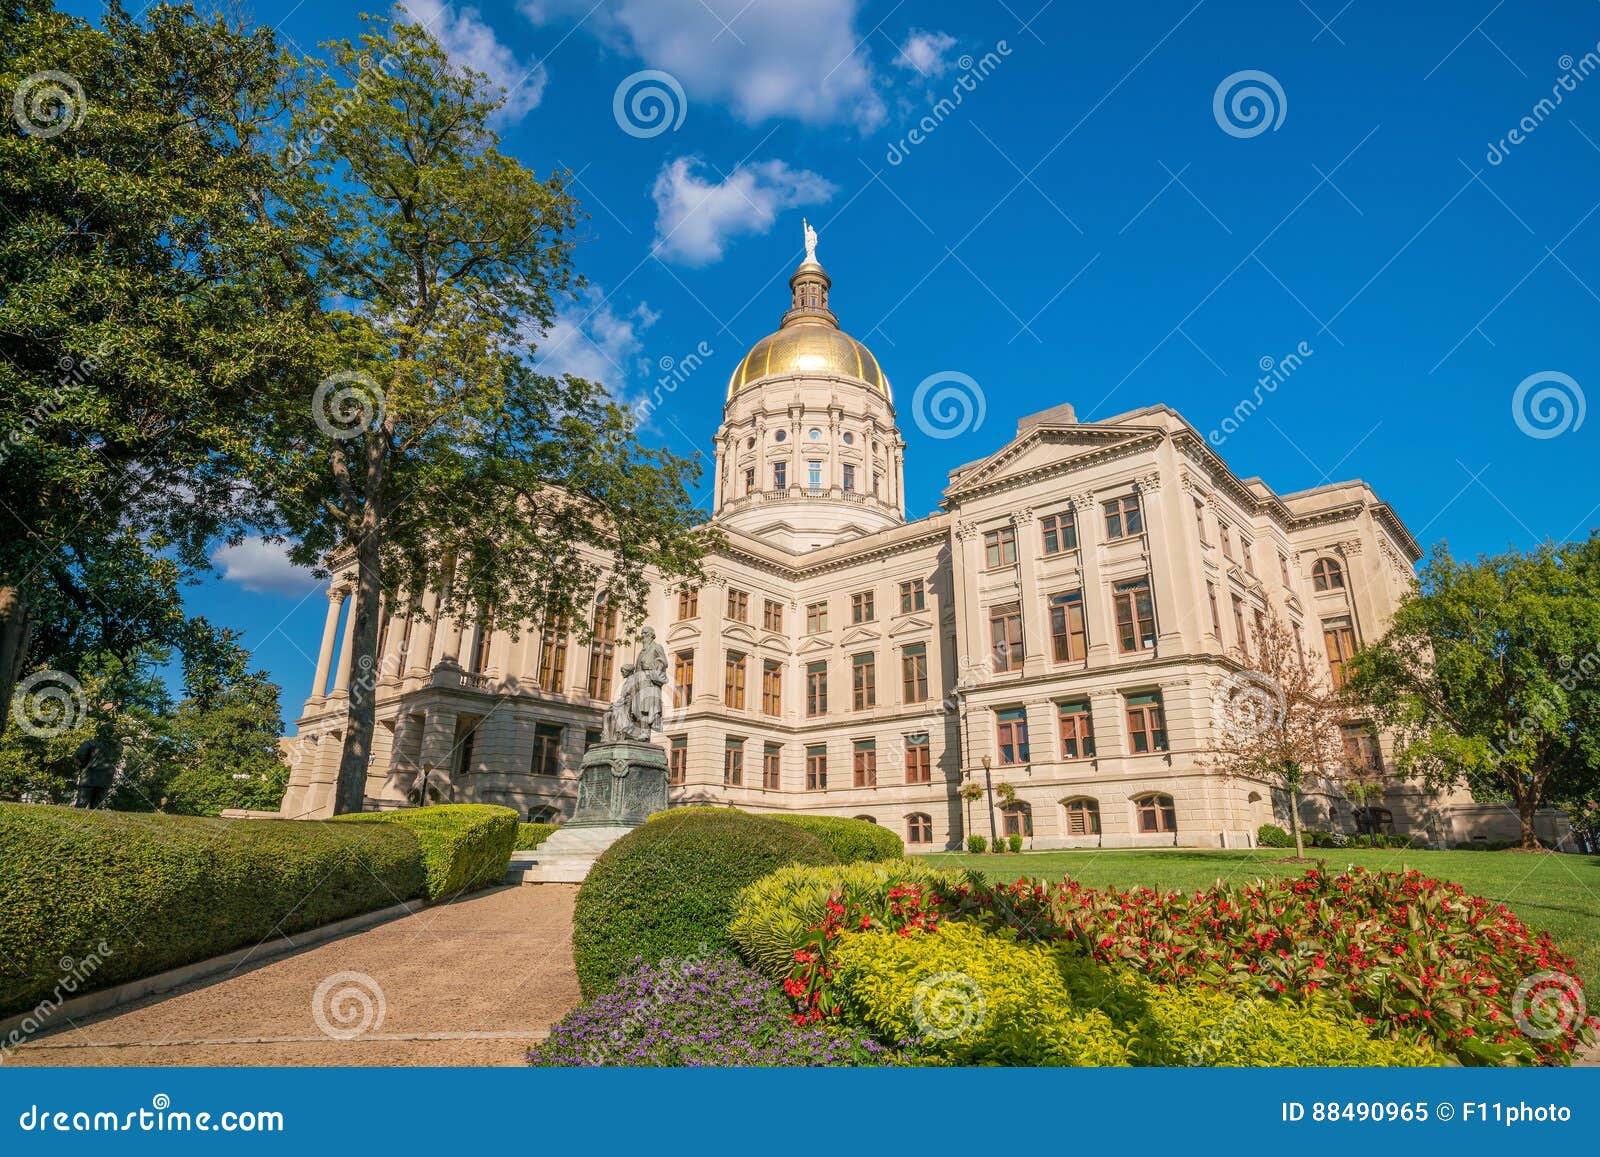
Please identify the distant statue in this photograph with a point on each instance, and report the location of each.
(811, 240)
(637, 710)
(96, 764)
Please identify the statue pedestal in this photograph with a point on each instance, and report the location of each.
(621, 785)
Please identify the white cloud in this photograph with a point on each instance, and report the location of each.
(763, 60)
(696, 217)
(462, 32)
(264, 567)
(924, 52)
(589, 339)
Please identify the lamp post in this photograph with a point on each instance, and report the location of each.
(988, 788)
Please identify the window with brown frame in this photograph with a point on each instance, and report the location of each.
(817, 768)
(553, 659)
(688, 604)
(1059, 532)
(865, 765)
(733, 680)
(919, 759)
(862, 608)
(546, 749)
(864, 681)
(1069, 630)
(1283, 569)
(1000, 547)
(1340, 637)
(733, 763)
(678, 760)
(914, 673)
(1136, 616)
(1226, 535)
(1147, 723)
(913, 596)
(1011, 736)
(817, 688)
(780, 476)
(1361, 748)
(1156, 814)
(749, 479)
(683, 677)
(1327, 575)
(1077, 729)
(771, 687)
(772, 615)
(1200, 518)
(738, 605)
(816, 618)
(603, 651)
(1216, 611)
(1247, 554)
(849, 472)
(1238, 621)
(1083, 817)
(1124, 517)
(1016, 819)
(919, 828)
(1005, 636)
(772, 766)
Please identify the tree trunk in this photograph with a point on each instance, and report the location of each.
(361, 709)
(1294, 825)
(1527, 807)
(13, 646)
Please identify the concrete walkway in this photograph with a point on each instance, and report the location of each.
(469, 983)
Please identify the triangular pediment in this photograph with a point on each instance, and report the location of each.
(858, 635)
(815, 643)
(1051, 448)
(911, 624)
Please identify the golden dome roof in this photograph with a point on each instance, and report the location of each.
(810, 341)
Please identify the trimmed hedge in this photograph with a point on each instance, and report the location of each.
(669, 887)
(530, 836)
(465, 846)
(852, 841)
(159, 891)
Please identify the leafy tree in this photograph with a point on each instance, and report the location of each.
(1278, 718)
(1490, 676)
(431, 457)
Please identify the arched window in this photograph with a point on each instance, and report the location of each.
(866, 819)
(919, 828)
(1156, 814)
(1083, 816)
(1327, 575)
(1016, 819)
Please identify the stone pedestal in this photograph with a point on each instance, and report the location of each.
(621, 786)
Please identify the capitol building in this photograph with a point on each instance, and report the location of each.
(1062, 625)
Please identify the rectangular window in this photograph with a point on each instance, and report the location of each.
(1200, 518)
(1000, 547)
(1136, 616)
(553, 659)
(1226, 535)
(1156, 814)
(1060, 532)
(816, 618)
(772, 767)
(866, 763)
(1247, 551)
(1077, 730)
(733, 680)
(862, 607)
(688, 604)
(780, 476)
(914, 673)
(749, 479)
(738, 605)
(1011, 736)
(1147, 723)
(849, 478)
(733, 763)
(919, 759)
(1216, 611)
(1238, 622)
(913, 596)
(678, 760)
(1005, 636)
(1083, 818)
(1340, 637)
(1069, 630)
(683, 677)
(817, 768)
(1361, 749)
(864, 681)
(771, 687)
(547, 749)
(817, 688)
(772, 616)
(603, 651)
(1283, 569)
(1124, 517)
(813, 475)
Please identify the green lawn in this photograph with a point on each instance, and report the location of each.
(1557, 893)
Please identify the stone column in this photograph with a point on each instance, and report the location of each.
(319, 687)
(341, 681)
(1160, 538)
(1097, 602)
(419, 658)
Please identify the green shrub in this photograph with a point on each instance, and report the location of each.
(1486, 845)
(465, 846)
(1014, 843)
(977, 845)
(160, 891)
(668, 888)
(1272, 836)
(773, 916)
(967, 998)
(852, 841)
(530, 836)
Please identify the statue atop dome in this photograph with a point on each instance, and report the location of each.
(811, 240)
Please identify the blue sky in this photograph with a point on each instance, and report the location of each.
(1084, 226)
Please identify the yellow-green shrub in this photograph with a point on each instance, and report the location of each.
(464, 845)
(853, 841)
(530, 836)
(969, 998)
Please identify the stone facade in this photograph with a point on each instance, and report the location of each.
(1116, 561)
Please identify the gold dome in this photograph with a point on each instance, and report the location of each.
(809, 348)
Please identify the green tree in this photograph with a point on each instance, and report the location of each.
(431, 456)
(1490, 676)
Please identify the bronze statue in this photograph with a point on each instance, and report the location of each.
(97, 767)
(637, 710)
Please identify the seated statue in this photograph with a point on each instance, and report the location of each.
(637, 710)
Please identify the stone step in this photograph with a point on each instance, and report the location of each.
(566, 857)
